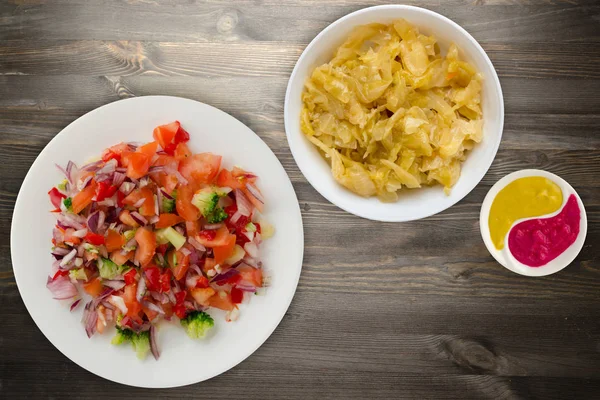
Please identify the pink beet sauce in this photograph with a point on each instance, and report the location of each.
(538, 241)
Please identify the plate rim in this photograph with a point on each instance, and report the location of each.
(18, 205)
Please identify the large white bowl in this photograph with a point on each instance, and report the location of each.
(413, 204)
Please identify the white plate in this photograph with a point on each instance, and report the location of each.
(412, 204)
(182, 360)
(504, 256)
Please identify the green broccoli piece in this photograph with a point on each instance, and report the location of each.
(197, 324)
(108, 269)
(168, 205)
(68, 203)
(207, 201)
(139, 341)
(219, 215)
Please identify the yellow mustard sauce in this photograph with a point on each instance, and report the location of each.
(523, 198)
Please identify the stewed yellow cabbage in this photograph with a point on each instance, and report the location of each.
(390, 112)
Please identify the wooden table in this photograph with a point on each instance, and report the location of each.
(410, 310)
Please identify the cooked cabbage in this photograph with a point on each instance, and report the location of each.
(390, 112)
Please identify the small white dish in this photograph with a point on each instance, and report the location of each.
(182, 361)
(412, 204)
(504, 256)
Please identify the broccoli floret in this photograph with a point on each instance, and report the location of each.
(206, 200)
(68, 203)
(139, 341)
(197, 324)
(168, 205)
(108, 269)
(219, 215)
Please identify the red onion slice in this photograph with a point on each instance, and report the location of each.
(92, 222)
(80, 233)
(255, 192)
(61, 288)
(140, 289)
(153, 170)
(249, 235)
(114, 284)
(212, 227)
(196, 269)
(236, 216)
(191, 281)
(118, 178)
(126, 187)
(108, 168)
(153, 307)
(93, 166)
(159, 199)
(82, 184)
(153, 219)
(60, 251)
(153, 345)
(197, 245)
(139, 203)
(164, 193)
(251, 249)
(75, 304)
(138, 218)
(246, 288)
(65, 173)
(228, 274)
(118, 302)
(243, 204)
(156, 207)
(180, 178)
(66, 259)
(185, 251)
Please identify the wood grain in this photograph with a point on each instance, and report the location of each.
(414, 310)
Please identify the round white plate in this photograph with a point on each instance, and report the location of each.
(504, 256)
(412, 204)
(182, 360)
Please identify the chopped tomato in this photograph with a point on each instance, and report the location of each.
(251, 275)
(208, 234)
(115, 152)
(202, 295)
(126, 218)
(119, 258)
(200, 168)
(105, 190)
(184, 205)
(114, 240)
(147, 208)
(93, 287)
(225, 251)
(129, 277)
(137, 164)
(182, 152)
(120, 198)
(146, 241)
(151, 314)
(94, 238)
(60, 273)
(209, 263)
(221, 300)
(149, 149)
(192, 228)
(179, 308)
(202, 282)
(56, 197)
(84, 198)
(164, 134)
(179, 263)
(226, 179)
(166, 220)
(236, 295)
(162, 248)
(133, 306)
(156, 280)
(181, 136)
(221, 238)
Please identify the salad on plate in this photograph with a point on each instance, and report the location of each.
(153, 232)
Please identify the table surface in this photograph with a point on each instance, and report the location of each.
(390, 310)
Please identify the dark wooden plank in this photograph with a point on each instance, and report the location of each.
(207, 59)
(193, 21)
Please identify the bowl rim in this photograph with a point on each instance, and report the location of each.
(360, 211)
(510, 262)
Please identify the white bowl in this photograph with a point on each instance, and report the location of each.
(412, 204)
(504, 256)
